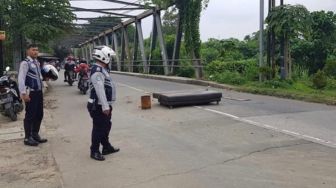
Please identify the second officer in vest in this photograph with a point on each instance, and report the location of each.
(30, 86)
(102, 96)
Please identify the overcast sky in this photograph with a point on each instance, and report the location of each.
(223, 18)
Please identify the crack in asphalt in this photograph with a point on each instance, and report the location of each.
(216, 164)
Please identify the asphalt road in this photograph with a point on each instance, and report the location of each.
(239, 143)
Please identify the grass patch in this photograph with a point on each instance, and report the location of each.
(297, 90)
(244, 76)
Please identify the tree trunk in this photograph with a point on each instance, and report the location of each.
(286, 55)
(197, 65)
(273, 61)
(283, 73)
(17, 51)
(290, 65)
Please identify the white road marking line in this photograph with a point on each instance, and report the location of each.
(131, 87)
(218, 112)
(284, 131)
(236, 99)
(288, 132)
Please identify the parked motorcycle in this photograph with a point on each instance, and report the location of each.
(10, 102)
(83, 84)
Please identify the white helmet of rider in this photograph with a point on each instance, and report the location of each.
(49, 71)
(103, 54)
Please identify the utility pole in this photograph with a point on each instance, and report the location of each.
(283, 73)
(261, 41)
(1, 51)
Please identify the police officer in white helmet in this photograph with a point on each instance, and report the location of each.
(102, 96)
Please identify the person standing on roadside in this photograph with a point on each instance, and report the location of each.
(30, 87)
(102, 96)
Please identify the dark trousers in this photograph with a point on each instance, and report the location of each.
(34, 113)
(101, 127)
(65, 75)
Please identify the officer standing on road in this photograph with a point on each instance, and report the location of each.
(102, 95)
(30, 86)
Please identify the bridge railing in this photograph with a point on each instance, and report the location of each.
(178, 67)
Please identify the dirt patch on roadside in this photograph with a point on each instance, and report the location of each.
(29, 167)
(50, 103)
(22, 166)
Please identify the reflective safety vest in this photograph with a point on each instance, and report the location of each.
(109, 86)
(33, 78)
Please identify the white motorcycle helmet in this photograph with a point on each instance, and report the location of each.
(103, 54)
(49, 71)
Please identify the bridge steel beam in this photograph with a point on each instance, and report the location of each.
(177, 45)
(122, 48)
(116, 50)
(127, 3)
(127, 53)
(142, 46)
(91, 45)
(87, 52)
(126, 23)
(107, 41)
(135, 51)
(153, 40)
(164, 54)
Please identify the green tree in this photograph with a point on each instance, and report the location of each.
(190, 13)
(37, 20)
(169, 21)
(323, 38)
(289, 21)
(312, 52)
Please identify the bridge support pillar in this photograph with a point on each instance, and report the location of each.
(158, 23)
(177, 45)
(116, 50)
(142, 46)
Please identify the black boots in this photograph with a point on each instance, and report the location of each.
(97, 156)
(34, 140)
(38, 138)
(109, 150)
(30, 142)
(106, 150)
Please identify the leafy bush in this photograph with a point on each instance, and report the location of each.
(229, 78)
(331, 84)
(319, 80)
(233, 66)
(252, 72)
(330, 68)
(300, 73)
(265, 71)
(209, 54)
(277, 84)
(188, 72)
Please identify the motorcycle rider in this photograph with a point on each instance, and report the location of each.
(82, 69)
(69, 66)
(102, 96)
